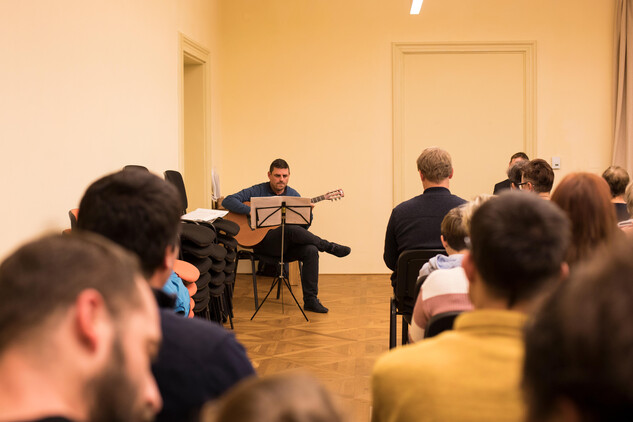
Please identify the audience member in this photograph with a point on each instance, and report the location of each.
(78, 330)
(586, 200)
(515, 172)
(198, 359)
(277, 398)
(472, 373)
(446, 289)
(538, 177)
(579, 345)
(618, 179)
(627, 225)
(415, 224)
(452, 238)
(507, 184)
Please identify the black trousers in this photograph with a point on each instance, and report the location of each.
(299, 245)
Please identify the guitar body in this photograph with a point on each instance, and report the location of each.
(248, 237)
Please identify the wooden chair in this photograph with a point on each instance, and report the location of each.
(408, 268)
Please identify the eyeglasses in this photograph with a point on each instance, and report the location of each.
(521, 184)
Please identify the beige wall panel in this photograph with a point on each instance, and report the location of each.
(86, 88)
(472, 103)
(311, 81)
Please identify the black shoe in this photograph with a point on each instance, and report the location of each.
(314, 305)
(338, 250)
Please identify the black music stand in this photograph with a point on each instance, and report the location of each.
(272, 211)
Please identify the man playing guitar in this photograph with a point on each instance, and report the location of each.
(299, 243)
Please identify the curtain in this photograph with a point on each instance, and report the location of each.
(623, 142)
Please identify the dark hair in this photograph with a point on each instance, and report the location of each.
(515, 172)
(586, 200)
(137, 210)
(289, 397)
(453, 230)
(518, 242)
(580, 342)
(279, 163)
(617, 178)
(540, 174)
(46, 275)
(519, 155)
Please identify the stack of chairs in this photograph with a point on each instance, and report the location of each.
(199, 248)
(226, 231)
(211, 248)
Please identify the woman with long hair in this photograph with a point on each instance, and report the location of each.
(586, 198)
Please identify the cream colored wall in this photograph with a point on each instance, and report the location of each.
(86, 87)
(310, 81)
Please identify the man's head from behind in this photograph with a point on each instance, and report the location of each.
(76, 310)
(578, 347)
(517, 157)
(435, 165)
(138, 211)
(617, 178)
(538, 176)
(518, 243)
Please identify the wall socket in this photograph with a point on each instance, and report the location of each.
(556, 163)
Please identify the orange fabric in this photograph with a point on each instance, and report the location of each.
(192, 305)
(186, 271)
(192, 287)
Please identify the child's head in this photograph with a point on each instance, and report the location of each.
(453, 232)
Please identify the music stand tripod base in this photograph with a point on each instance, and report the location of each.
(299, 211)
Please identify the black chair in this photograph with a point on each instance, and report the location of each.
(440, 322)
(175, 178)
(135, 167)
(408, 268)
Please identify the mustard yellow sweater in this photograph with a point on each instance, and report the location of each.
(471, 373)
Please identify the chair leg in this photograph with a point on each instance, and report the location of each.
(405, 331)
(392, 323)
(254, 272)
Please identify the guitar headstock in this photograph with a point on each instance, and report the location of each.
(334, 195)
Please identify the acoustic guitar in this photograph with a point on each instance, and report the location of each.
(248, 237)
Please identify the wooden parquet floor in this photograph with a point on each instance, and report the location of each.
(339, 348)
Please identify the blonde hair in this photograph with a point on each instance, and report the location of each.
(290, 397)
(628, 198)
(469, 208)
(435, 164)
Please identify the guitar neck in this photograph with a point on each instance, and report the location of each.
(317, 199)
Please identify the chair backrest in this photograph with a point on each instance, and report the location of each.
(174, 177)
(135, 167)
(408, 269)
(440, 322)
(72, 214)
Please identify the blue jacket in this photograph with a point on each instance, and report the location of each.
(234, 203)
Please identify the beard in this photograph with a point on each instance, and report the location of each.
(113, 395)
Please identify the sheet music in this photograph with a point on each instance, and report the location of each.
(265, 210)
(215, 185)
(204, 214)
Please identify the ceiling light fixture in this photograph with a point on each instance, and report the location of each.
(415, 7)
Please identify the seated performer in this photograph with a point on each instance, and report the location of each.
(299, 243)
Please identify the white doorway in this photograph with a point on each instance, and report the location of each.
(194, 143)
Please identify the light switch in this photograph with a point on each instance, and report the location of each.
(556, 163)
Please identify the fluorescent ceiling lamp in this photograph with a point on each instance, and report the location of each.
(415, 7)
